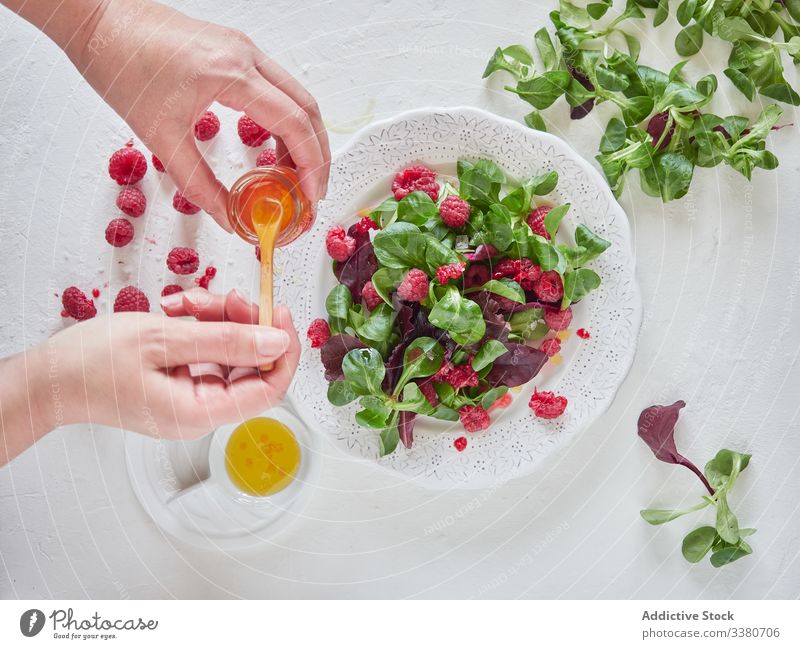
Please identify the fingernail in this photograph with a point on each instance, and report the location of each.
(239, 296)
(172, 300)
(197, 297)
(270, 342)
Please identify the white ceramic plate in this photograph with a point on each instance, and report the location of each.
(591, 370)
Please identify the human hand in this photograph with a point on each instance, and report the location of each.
(160, 70)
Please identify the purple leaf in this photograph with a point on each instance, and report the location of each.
(405, 426)
(483, 251)
(333, 352)
(581, 111)
(657, 429)
(359, 268)
(517, 366)
(655, 129)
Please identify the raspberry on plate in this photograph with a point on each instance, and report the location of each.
(182, 205)
(370, 295)
(169, 289)
(414, 287)
(131, 298)
(157, 164)
(476, 275)
(206, 127)
(183, 261)
(547, 405)
(267, 158)
(119, 232)
(536, 221)
(558, 320)
(366, 224)
(318, 333)
(251, 133)
(454, 212)
(449, 271)
(415, 179)
(127, 166)
(131, 201)
(474, 418)
(461, 376)
(549, 287)
(551, 346)
(77, 305)
(339, 244)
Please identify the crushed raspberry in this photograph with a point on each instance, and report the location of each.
(551, 346)
(415, 179)
(76, 304)
(427, 389)
(582, 333)
(184, 206)
(205, 279)
(460, 443)
(414, 287)
(251, 133)
(454, 212)
(169, 289)
(131, 298)
(318, 333)
(127, 166)
(474, 418)
(549, 287)
(267, 158)
(547, 405)
(95, 292)
(536, 221)
(183, 261)
(449, 271)
(206, 127)
(157, 164)
(64, 313)
(461, 376)
(339, 244)
(558, 320)
(131, 201)
(119, 232)
(366, 224)
(502, 402)
(523, 271)
(476, 275)
(370, 295)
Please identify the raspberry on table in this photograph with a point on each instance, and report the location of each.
(267, 158)
(182, 205)
(474, 418)
(549, 287)
(170, 289)
(131, 201)
(157, 164)
(119, 232)
(547, 405)
(414, 287)
(454, 212)
(536, 221)
(183, 261)
(551, 346)
(127, 166)
(76, 304)
(131, 298)
(476, 275)
(415, 179)
(95, 292)
(205, 279)
(206, 127)
(366, 224)
(461, 376)
(251, 133)
(318, 333)
(339, 244)
(460, 443)
(558, 320)
(449, 271)
(370, 295)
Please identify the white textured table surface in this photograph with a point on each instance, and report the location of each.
(719, 273)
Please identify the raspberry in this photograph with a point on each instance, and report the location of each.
(476, 275)
(502, 402)
(558, 320)
(267, 158)
(536, 221)
(547, 405)
(415, 179)
(474, 418)
(76, 304)
(427, 389)
(206, 127)
(549, 287)
(339, 245)
(449, 271)
(414, 287)
(180, 203)
(169, 289)
(318, 333)
(131, 201)
(506, 268)
(119, 232)
(523, 271)
(551, 346)
(454, 211)
(131, 298)
(251, 133)
(157, 164)
(95, 292)
(365, 225)
(460, 443)
(204, 280)
(127, 166)
(183, 261)
(371, 296)
(582, 333)
(462, 376)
